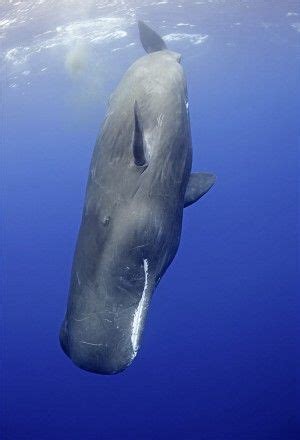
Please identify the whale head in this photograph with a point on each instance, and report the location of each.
(102, 329)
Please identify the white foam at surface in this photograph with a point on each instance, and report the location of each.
(193, 38)
(296, 26)
(100, 30)
(5, 23)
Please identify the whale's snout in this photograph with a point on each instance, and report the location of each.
(107, 340)
(110, 353)
(102, 329)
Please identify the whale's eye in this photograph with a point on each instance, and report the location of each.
(106, 220)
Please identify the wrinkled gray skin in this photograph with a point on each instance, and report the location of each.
(138, 185)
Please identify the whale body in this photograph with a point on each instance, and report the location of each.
(139, 183)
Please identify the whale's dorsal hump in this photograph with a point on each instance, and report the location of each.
(198, 185)
(151, 41)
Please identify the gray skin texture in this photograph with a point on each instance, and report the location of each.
(139, 183)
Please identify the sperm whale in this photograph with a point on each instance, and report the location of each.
(139, 183)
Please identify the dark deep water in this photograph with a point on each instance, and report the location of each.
(220, 352)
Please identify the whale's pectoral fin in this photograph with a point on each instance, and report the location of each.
(198, 185)
(150, 40)
(139, 145)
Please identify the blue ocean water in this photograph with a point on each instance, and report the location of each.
(219, 358)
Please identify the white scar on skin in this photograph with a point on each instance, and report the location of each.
(91, 343)
(160, 120)
(82, 319)
(137, 319)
